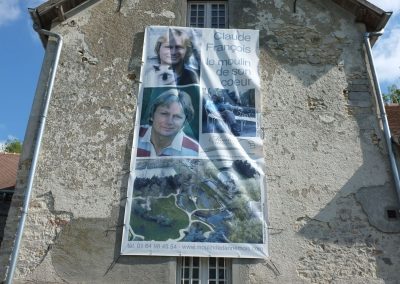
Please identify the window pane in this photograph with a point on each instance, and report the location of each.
(200, 7)
(221, 262)
(212, 262)
(186, 274)
(196, 261)
(201, 13)
(211, 282)
(193, 13)
(195, 273)
(221, 274)
(187, 261)
(212, 273)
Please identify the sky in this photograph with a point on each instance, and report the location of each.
(21, 55)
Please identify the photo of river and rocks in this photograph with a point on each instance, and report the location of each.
(215, 201)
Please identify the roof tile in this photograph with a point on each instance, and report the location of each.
(8, 169)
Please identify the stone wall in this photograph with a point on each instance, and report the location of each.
(329, 183)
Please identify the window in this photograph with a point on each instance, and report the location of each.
(5, 201)
(201, 270)
(207, 14)
(6, 196)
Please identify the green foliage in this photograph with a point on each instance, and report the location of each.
(159, 221)
(251, 188)
(239, 206)
(13, 146)
(393, 96)
(247, 231)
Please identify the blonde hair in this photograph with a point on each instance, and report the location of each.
(175, 33)
(168, 97)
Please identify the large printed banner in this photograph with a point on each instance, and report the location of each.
(196, 185)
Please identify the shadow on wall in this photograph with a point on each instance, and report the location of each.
(83, 252)
(360, 224)
(314, 36)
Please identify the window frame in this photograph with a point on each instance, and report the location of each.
(204, 262)
(207, 13)
(204, 269)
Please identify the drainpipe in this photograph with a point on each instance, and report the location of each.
(46, 102)
(386, 129)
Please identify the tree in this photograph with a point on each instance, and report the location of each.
(244, 168)
(246, 231)
(13, 146)
(393, 96)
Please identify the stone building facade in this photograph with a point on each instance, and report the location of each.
(329, 183)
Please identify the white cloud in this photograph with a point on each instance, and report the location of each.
(387, 5)
(387, 53)
(27, 19)
(9, 11)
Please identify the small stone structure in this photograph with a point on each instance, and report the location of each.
(8, 179)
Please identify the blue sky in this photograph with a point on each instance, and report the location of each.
(21, 55)
(387, 49)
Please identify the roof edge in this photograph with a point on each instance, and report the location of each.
(374, 18)
(52, 12)
(55, 11)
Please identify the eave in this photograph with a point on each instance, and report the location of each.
(54, 12)
(374, 18)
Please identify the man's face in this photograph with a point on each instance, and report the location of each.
(168, 120)
(173, 52)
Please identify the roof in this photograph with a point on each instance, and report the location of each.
(56, 11)
(393, 115)
(8, 170)
(374, 18)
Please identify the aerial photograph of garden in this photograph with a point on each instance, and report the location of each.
(217, 201)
